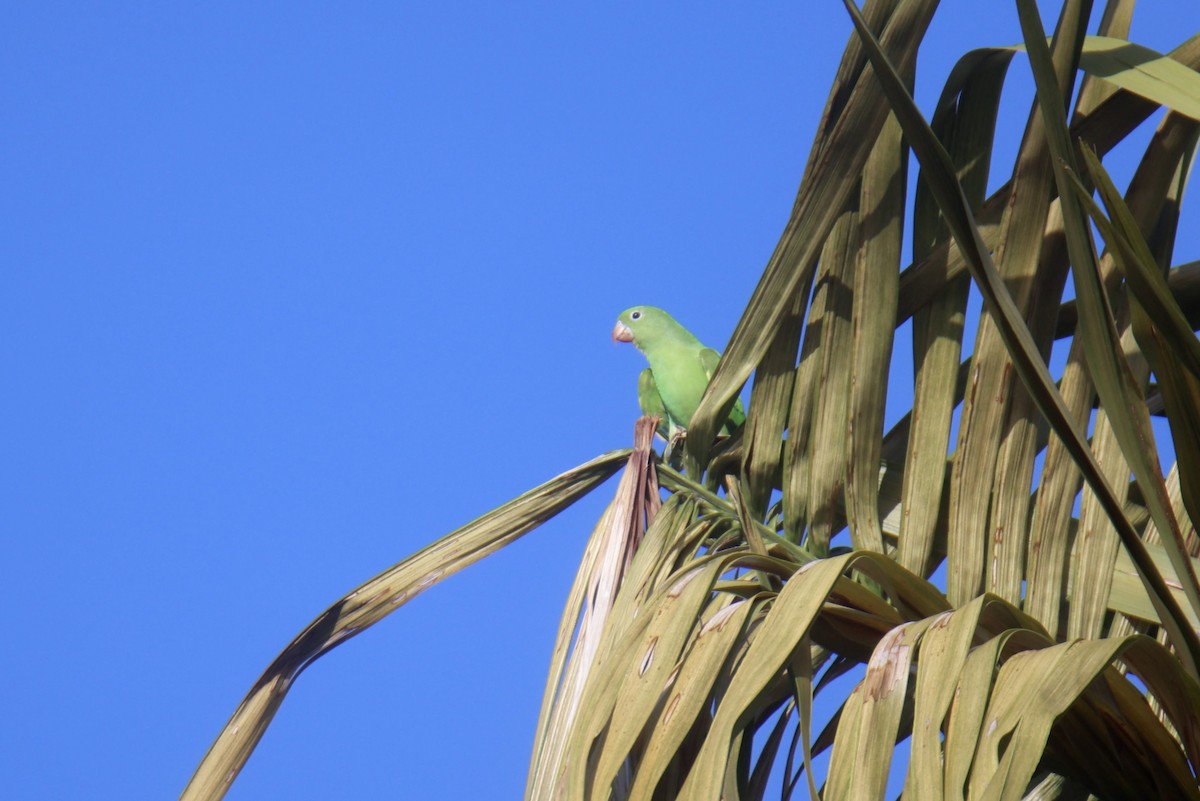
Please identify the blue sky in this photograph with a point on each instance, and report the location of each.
(280, 278)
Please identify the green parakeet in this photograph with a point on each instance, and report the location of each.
(680, 367)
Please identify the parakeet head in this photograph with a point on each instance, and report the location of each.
(641, 324)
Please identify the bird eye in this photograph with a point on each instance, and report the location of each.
(635, 316)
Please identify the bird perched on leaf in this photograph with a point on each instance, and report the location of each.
(680, 368)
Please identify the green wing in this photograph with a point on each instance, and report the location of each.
(737, 415)
(651, 402)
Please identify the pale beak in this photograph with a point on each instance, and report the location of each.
(622, 333)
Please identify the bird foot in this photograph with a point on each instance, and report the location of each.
(673, 453)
